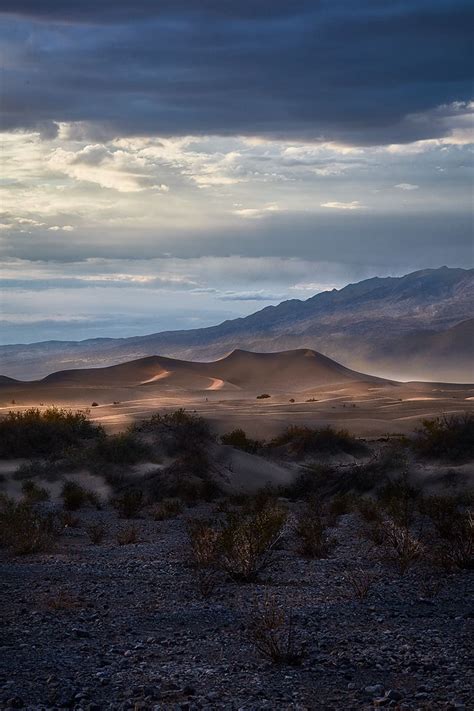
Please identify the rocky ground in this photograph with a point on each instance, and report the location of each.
(124, 627)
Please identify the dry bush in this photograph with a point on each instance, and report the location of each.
(69, 520)
(302, 441)
(311, 531)
(204, 542)
(446, 437)
(76, 496)
(63, 600)
(238, 439)
(444, 513)
(458, 550)
(369, 510)
(129, 503)
(26, 530)
(33, 493)
(127, 536)
(401, 545)
(96, 533)
(168, 508)
(340, 505)
(248, 540)
(400, 499)
(361, 582)
(273, 634)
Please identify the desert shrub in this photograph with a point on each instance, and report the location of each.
(128, 536)
(168, 508)
(447, 437)
(457, 551)
(312, 533)
(238, 439)
(129, 503)
(96, 533)
(69, 520)
(189, 478)
(273, 634)
(203, 536)
(444, 513)
(36, 433)
(361, 582)
(180, 432)
(304, 441)
(94, 404)
(33, 493)
(263, 396)
(399, 498)
(26, 530)
(368, 510)
(120, 449)
(39, 469)
(340, 505)
(401, 545)
(248, 539)
(76, 496)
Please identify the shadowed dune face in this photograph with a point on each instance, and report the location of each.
(290, 370)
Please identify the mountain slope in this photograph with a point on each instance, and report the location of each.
(378, 324)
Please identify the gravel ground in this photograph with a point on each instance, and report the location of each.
(123, 627)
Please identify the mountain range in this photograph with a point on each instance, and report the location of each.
(416, 327)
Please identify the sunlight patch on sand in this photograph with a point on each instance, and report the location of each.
(160, 376)
(216, 384)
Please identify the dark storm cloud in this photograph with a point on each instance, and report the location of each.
(354, 72)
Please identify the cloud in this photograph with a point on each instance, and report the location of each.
(336, 205)
(256, 213)
(59, 228)
(300, 70)
(407, 186)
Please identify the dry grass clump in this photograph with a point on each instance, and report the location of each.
(312, 533)
(248, 540)
(129, 503)
(76, 496)
(401, 545)
(457, 551)
(168, 508)
(361, 582)
(128, 536)
(273, 634)
(32, 493)
(238, 439)
(96, 533)
(26, 530)
(447, 437)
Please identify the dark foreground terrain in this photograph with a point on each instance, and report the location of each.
(162, 569)
(125, 627)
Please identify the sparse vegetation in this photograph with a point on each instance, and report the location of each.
(273, 633)
(312, 533)
(120, 449)
(248, 540)
(401, 545)
(76, 496)
(128, 536)
(305, 441)
(129, 503)
(24, 529)
(447, 437)
(238, 439)
(33, 493)
(96, 533)
(44, 433)
(361, 582)
(168, 508)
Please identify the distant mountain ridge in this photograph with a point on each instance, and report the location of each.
(419, 326)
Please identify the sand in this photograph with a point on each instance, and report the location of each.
(225, 392)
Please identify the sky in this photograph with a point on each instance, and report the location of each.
(169, 164)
